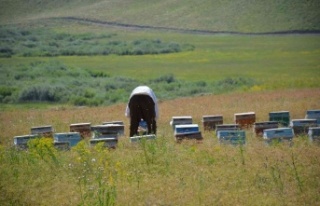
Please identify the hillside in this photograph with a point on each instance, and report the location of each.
(230, 15)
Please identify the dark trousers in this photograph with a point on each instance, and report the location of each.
(142, 107)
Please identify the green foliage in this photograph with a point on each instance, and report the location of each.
(48, 44)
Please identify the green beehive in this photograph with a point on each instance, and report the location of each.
(282, 117)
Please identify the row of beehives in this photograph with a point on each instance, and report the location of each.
(108, 132)
(279, 127)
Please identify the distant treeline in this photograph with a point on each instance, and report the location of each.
(55, 82)
(26, 43)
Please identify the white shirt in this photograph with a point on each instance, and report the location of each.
(146, 91)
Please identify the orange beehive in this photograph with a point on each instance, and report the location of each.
(245, 120)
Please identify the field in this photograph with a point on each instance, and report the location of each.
(163, 172)
(64, 62)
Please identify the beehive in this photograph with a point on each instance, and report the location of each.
(227, 127)
(233, 137)
(313, 114)
(107, 142)
(83, 128)
(119, 126)
(210, 121)
(178, 120)
(72, 137)
(107, 131)
(21, 142)
(301, 126)
(282, 117)
(186, 128)
(259, 127)
(188, 135)
(278, 134)
(245, 120)
(43, 131)
(314, 134)
(142, 137)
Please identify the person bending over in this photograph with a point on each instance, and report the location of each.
(142, 105)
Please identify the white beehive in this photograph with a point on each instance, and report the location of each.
(142, 137)
(72, 137)
(278, 134)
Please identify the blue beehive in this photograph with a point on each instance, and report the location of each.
(178, 120)
(313, 114)
(282, 117)
(142, 137)
(314, 134)
(72, 137)
(301, 126)
(278, 134)
(233, 137)
(186, 128)
(21, 142)
(107, 142)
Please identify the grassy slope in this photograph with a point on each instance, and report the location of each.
(229, 15)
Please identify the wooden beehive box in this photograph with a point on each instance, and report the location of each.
(278, 134)
(233, 137)
(43, 131)
(259, 127)
(83, 128)
(314, 134)
(210, 121)
(301, 126)
(21, 142)
(313, 114)
(227, 127)
(142, 137)
(282, 117)
(245, 120)
(107, 142)
(106, 131)
(178, 120)
(72, 137)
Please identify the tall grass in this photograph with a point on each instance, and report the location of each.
(162, 172)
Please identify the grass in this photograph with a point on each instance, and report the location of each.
(163, 172)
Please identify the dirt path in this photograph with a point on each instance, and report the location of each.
(191, 31)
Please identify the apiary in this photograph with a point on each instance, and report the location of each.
(43, 131)
(21, 142)
(107, 131)
(313, 114)
(178, 120)
(278, 134)
(245, 120)
(301, 126)
(61, 145)
(72, 137)
(314, 134)
(83, 128)
(210, 121)
(233, 137)
(259, 127)
(282, 117)
(107, 142)
(142, 137)
(227, 127)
